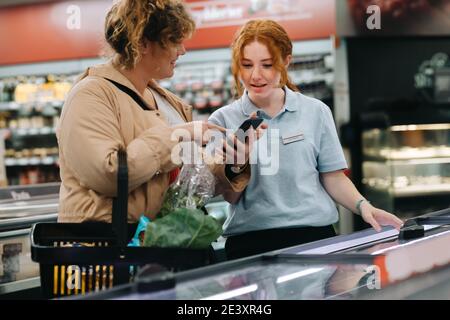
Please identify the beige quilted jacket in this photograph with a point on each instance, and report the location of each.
(97, 119)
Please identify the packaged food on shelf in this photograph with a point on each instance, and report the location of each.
(25, 90)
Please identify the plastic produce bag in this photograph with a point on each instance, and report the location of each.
(180, 222)
(192, 189)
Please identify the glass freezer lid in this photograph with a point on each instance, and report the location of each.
(396, 243)
(15, 257)
(279, 279)
(27, 208)
(285, 276)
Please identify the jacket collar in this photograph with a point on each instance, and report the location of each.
(109, 71)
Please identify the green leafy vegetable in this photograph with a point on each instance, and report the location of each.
(176, 197)
(183, 228)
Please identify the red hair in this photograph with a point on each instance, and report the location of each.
(274, 37)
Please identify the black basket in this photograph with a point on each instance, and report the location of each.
(79, 258)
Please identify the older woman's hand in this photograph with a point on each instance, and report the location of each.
(198, 131)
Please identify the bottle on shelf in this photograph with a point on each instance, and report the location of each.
(37, 119)
(23, 177)
(3, 120)
(50, 116)
(23, 120)
(33, 175)
(61, 87)
(9, 89)
(2, 90)
(46, 88)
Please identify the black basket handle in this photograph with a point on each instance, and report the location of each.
(120, 202)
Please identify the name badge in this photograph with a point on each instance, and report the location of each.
(289, 138)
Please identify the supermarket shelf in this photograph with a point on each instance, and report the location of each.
(6, 106)
(34, 131)
(33, 161)
(421, 190)
(411, 161)
(41, 191)
(10, 106)
(306, 47)
(436, 160)
(422, 155)
(413, 190)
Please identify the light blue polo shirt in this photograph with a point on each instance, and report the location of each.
(284, 189)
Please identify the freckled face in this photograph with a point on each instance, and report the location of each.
(257, 73)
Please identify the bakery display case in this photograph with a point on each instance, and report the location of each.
(405, 166)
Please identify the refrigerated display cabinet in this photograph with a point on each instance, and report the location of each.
(20, 208)
(406, 160)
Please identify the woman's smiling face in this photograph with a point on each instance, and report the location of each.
(257, 73)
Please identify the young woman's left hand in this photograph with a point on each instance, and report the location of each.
(378, 217)
(239, 151)
(261, 128)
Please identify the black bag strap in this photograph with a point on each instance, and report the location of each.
(120, 202)
(131, 93)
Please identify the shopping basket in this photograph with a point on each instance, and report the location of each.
(79, 258)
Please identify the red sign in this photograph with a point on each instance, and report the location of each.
(218, 21)
(74, 29)
(52, 31)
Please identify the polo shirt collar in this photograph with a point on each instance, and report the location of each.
(290, 103)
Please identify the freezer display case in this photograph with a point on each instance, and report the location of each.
(362, 265)
(20, 208)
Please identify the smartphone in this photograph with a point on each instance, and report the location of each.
(252, 122)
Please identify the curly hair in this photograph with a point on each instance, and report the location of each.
(129, 22)
(274, 37)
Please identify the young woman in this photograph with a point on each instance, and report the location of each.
(119, 105)
(295, 203)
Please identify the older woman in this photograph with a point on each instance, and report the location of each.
(120, 105)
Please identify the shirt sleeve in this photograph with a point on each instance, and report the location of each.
(331, 157)
(217, 118)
